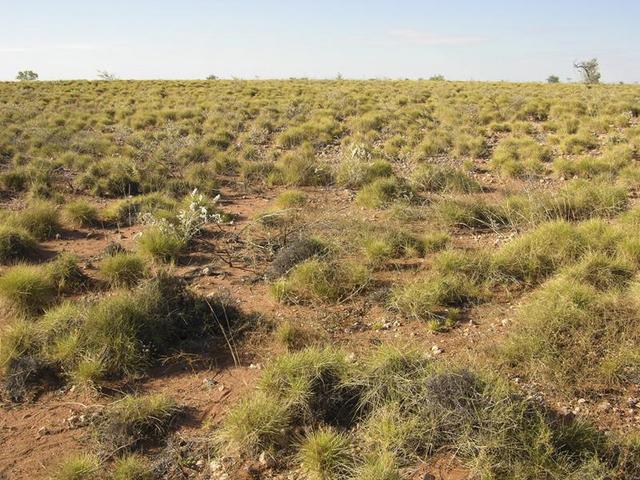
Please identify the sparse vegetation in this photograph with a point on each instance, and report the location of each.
(435, 275)
(122, 269)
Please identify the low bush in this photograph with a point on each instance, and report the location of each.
(470, 213)
(65, 274)
(16, 244)
(535, 255)
(129, 422)
(294, 253)
(26, 289)
(131, 467)
(300, 168)
(520, 157)
(380, 193)
(161, 245)
(441, 178)
(576, 336)
(321, 280)
(129, 211)
(355, 172)
(40, 218)
(324, 454)
(254, 425)
(436, 298)
(79, 467)
(80, 213)
(122, 269)
(291, 199)
(403, 409)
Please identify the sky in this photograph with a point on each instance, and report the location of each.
(191, 39)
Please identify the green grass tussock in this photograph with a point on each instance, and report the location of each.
(321, 280)
(16, 244)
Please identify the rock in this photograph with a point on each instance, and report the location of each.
(255, 366)
(217, 471)
(209, 383)
(582, 401)
(604, 406)
(200, 464)
(266, 460)
(435, 350)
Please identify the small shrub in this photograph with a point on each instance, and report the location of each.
(321, 280)
(325, 455)
(291, 199)
(435, 241)
(537, 254)
(131, 467)
(300, 168)
(132, 420)
(470, 213)
(520, 157)
(130, 210)
(40, 218)
(122, 269)
(309, 382)
(576, 337)
(254, 425)
(294, 253)
(379, 193)
(161, 245)
(16, 244)
(80, 213)
(26, 289)
(291, 336)
(378, 466)
(65, 274)
(436, 298)
(79, 467)
(436, 178)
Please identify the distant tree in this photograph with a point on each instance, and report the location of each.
(212, 77)
(438, 78)
(27, 76)
(104, 75)
(589, 70)
(553, 79)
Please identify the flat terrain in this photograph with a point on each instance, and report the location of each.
(319, 279)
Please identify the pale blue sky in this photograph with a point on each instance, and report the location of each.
(482, 40)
